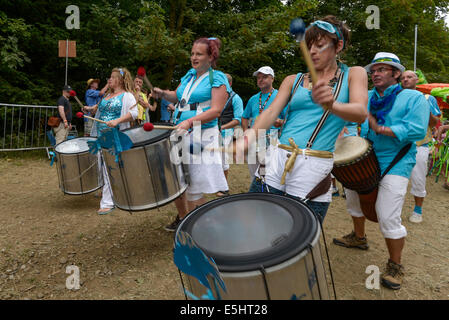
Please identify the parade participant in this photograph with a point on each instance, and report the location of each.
(167, 109)
(409, 79)
(325, 39)
(118, 109)
(144, 105)
(256, 105)
(65, 114)
(200, 97)
(229, 119)
(397, 118)
(92, 97)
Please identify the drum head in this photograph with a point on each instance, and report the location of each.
(73, 146)
(350, 148)
(247, 231)
(140, 137)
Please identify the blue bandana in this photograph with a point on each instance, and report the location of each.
(329, 27)
(381, 106)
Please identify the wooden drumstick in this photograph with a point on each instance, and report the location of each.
(149, 126)
(141, 72)
(80, 115)
(73, 94)
(298, 30)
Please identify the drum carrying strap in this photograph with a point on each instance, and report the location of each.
(323, 186)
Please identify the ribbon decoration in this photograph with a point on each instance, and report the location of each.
(53, 156)
(191, 260)
(113, 140)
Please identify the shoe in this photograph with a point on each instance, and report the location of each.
(222, 193)
(415, 217)
(105, 212)
(446, 186)
(393, 275)
(174, 225)
(351, 241)
(335, 192)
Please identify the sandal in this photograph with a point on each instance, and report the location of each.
(105, 212)
(222, 193)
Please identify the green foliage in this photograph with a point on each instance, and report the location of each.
(158, 34)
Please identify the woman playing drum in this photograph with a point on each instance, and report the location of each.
(202, 94)
(117, 108)
(325, 39)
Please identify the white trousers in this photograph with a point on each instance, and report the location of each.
(305, 175)
(106, 201)
(419, 172)
(390, 199)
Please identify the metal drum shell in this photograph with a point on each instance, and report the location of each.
(146, 177)
(301, 276)
(78, 173)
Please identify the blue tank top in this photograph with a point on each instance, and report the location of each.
(110, 109)
(304, 114)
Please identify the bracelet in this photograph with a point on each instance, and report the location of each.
(190, 121)
(382, 130)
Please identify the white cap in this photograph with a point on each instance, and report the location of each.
(264, 70)
(386, 58)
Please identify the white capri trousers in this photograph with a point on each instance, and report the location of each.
(390, 199)
(419, 172)
(206, 169)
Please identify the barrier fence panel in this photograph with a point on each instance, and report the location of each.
(24, 127)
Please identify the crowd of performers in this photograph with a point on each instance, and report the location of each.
(306, 120)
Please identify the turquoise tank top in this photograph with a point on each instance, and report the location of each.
(304, 114)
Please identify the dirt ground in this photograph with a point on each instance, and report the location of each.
(124, 256)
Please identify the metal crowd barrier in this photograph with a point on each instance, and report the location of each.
(24, 127)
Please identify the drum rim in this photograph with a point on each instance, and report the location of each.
(264, 258)
(339, 163)
(79, 152)
(154, 139)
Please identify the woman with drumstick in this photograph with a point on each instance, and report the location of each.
(200, 98)
(325, 39)
(117, 109)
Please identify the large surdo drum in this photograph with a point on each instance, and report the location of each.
(145, 177)
(265, 246)
(78, 170)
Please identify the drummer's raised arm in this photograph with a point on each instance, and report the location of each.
(165, 94)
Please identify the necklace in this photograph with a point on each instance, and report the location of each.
(261, 108)
(331, 82)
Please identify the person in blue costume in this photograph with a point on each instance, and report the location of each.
(397, 117)
(118, 108)
(200, 99)
(409, 79)
(255, 106)
(92, 97)
(229, 119)
(325, 39)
